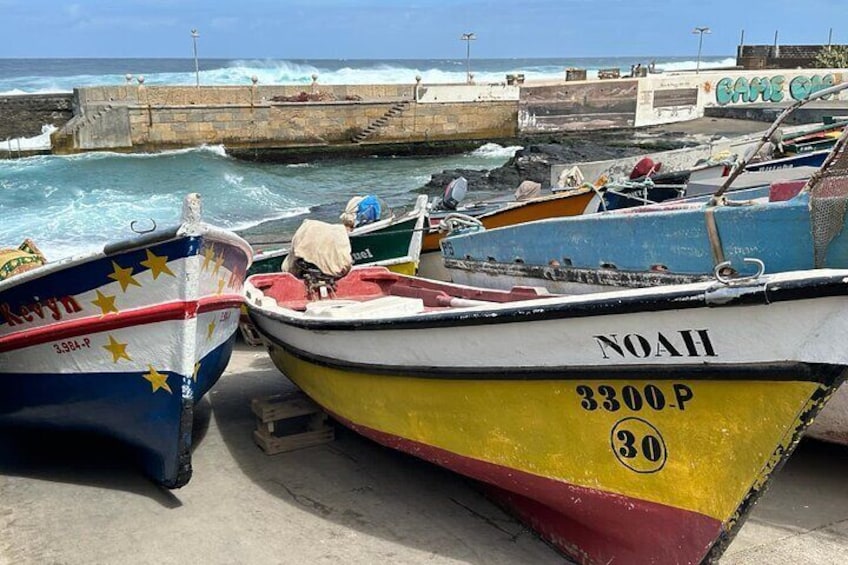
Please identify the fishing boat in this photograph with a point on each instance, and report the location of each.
(815, 139)
(394, 242)
(497, 213)
(633, 426)
(125, 341)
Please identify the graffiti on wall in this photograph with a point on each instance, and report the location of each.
(770, 88)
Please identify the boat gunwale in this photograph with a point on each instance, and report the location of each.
(174, 233)
(821, 283)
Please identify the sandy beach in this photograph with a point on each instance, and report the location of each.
(72, 499)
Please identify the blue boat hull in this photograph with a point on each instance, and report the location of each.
(123, 343)
(639, 248)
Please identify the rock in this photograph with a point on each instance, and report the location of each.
(534, 161)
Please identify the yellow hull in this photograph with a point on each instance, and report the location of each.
(697, 449)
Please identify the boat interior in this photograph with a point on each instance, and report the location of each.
(382, 290)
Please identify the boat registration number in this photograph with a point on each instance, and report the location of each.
(71, 345)
(611, 398)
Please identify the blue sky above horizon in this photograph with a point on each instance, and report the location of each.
(414, 29)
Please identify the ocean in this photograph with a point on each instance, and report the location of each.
(72, 205)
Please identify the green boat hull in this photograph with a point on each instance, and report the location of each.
(381, 246)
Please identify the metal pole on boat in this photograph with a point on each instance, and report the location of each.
(700, 31)
(194, 36)
(468, 38)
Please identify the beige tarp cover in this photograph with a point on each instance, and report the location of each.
(348, 217)
(324, 245)
(527, 190)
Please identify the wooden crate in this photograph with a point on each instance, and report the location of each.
(288, 422)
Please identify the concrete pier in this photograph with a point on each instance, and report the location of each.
(74, 500)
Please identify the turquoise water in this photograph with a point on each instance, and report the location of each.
(69, 205)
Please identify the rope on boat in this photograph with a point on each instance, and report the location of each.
(456, 221)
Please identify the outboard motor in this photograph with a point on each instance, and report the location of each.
(318, 283)
(454, 193)
(319, 255)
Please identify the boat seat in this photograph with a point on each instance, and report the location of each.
(374, 308)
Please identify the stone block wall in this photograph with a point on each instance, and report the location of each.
(23, 116)
(779, 56)
(314, 123)
(134, 94)
(141, 118)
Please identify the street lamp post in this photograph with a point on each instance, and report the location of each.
(468, 38)
(700, 31)
(194, 36)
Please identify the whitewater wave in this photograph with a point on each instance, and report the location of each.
(493, 150)
(691, 65)
(334, 72)
(36, 143)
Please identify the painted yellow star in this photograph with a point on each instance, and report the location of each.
(123, 276)
(117, 349)
(219, 260)
(196, 370)
(157, 264)
(208, 253)
(106, 303)
(221, 284)
(236, 278)
(157, 379)
(210, 330)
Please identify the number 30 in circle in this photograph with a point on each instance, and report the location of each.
(638, 445)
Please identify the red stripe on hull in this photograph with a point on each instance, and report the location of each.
(135, 317)
(590, 526)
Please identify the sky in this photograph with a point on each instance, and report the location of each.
(414, 29)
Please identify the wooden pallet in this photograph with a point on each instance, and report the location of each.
(285, 422)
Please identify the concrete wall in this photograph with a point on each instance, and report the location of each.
(578, 105)
(668, 98)
(440, 93)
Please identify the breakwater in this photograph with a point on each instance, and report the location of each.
(288, 122)
(23, 116)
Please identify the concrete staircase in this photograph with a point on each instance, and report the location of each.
(396, 110)
(105, 128)
(77, 123)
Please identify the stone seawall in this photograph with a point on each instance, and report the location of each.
(24, 116)
(274, 119)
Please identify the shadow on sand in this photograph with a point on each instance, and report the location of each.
(88, 459)
(358, 484)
